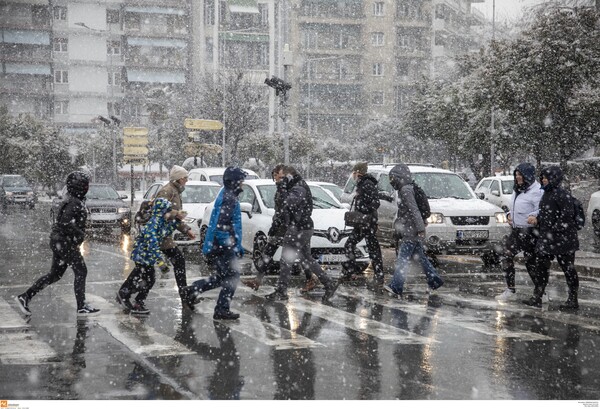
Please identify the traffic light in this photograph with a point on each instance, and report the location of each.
(278, 84)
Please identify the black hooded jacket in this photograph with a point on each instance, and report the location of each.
(297, 203)
(556, 223)
(366, 200)
(278, 225)
(69, 228)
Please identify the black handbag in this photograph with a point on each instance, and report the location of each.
(356, 219)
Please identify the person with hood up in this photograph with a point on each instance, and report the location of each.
(146, 253)
(412, 232)
(557, 238)
(223, 245)
(366, 201)
(68, 232)
(297, 211)
(172, 191)
(524, 206)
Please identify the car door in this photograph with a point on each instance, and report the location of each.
(387, 210)
(249, 227)
(495, 192)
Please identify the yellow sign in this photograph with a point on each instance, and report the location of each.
(204, 124)
(135, 131)
(135, 150)
(135, 140)
(135, 160)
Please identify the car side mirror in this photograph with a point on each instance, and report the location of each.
(246, 208)
(481, 195)
(495, 193)
(123, 197)
(383, 195)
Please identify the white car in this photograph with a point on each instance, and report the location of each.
(460, 223)
(593, 214)
(497, 190)
(258, 206)
(331, 188)
(215, 175)
(195, 198)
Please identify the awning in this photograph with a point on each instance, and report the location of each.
(26, 37)
(155, 10)
(31, 69)
(246, 38)
(243, 6)
(157, 42)
(172, 77)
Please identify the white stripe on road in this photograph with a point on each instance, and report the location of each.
(23, 348)
(9, 318)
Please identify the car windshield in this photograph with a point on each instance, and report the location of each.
(219, 178)
(441, 185)
(336, 190)
(102, 192)
(321, 200)
(14, 181)
(507, 187)
(199, 194)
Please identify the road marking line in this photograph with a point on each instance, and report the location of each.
(9, 318)
(24, 348)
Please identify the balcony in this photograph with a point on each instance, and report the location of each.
(25, 84)
(332, 77)
(156, 60)
(9, 52)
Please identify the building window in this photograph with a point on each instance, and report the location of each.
(61, 45)
(378, 8)
(377, 98)
(113, 108)
(133, 21)
(60, 13)
(61, 76)
(378, 69)
(113, 16)
(114, 48)
(264, 14)
(114, 78)
(40, 16)
(61, 107)
(209, 49)
(377, 39)
(209, 12)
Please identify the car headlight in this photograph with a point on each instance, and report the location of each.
(9, 194)
(501, 218)
(29, 193)
(189, 220)
(123, 210)
(435, 218)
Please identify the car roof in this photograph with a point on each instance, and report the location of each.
(501, 177)
(413, 168)
(220, 171)
(322, 183)
(191, 183)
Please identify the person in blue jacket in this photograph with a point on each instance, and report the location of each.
(223, 245)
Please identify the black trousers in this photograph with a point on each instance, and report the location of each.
(373, 248)
(266, 261)
(140, 281)
(566, 263)
(520, 239)
(176, 258)
(62, 257)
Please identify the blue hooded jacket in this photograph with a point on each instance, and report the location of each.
(146, 249)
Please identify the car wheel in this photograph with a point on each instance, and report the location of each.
(202, 237)
(260, 241)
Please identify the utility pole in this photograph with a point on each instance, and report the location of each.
(492, 129)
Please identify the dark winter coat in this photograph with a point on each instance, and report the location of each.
(225, 225)
(557, 227)
(172, 192)
(68, 231)
(278, 225)
(410, 222)
(298, 203)
(366, 200)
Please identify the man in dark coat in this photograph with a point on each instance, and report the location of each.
(68, 232)
(297, 211)
(366, 201)
(557, 238)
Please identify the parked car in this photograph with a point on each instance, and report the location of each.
(497, 190)
(107, 209)
(460, 223)
(215, 175)
(331, 188)
(195, 198)
(15, 190)
(593, 214)
(258, 206)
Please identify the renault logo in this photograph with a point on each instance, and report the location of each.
(334, 235)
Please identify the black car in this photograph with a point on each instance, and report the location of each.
(15, 190)
(106, 208)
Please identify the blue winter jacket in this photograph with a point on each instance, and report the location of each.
(225, 225)
(146, 249)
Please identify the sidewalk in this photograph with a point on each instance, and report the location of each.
(586, 262)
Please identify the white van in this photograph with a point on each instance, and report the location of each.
(460, 223)
(215, 175)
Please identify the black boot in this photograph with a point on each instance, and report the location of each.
(536, 300)
(571, 303)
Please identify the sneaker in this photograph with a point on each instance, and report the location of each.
(23, 303)
(124, 301)
(252, 283)
(140, 309)
(310, 284)
(391, 291)
(329, 292)
(533, 302)
(277, 296)
(546, 298)
(507, 295)
(87, 309)
(225, 315)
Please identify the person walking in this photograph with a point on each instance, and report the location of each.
(276, 233)
(412, 231)
(297, 211)
(557, 238)
(146, 253)
(223, 244)
(172, 191)
(68, 232)
(366, 201)
(524, 206)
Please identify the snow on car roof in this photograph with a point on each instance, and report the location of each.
(220, 171)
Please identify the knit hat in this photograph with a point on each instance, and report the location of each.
(177, 172)
(361, 168)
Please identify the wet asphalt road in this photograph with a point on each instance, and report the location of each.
(459, 343)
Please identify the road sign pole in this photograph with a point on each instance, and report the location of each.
(132, 194)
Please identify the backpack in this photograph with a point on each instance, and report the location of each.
(423, 202)
(578, 213)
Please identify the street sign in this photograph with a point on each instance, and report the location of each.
(135, 160)
(135, 131)
(204, 124)
(135, 150)
(135, 140)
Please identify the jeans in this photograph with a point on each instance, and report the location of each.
(140, 281)
(409, 250)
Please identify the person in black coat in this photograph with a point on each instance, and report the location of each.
(366, 201)
(68, 232)
(557, 237)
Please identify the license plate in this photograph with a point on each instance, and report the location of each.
(20, 199)
(471, 234)
(100, 216)
(332, 258)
